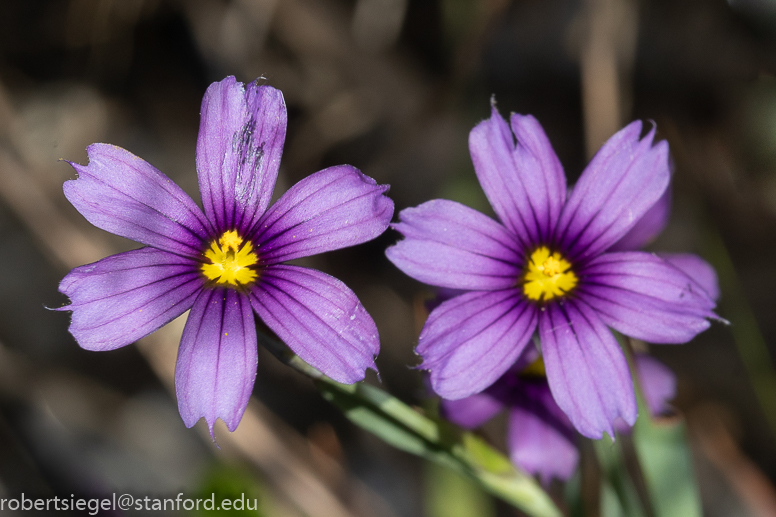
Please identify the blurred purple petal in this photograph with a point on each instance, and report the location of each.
(658, 383)
(450, 245)
(648, 227)
(319, 318)
(241, 136)
(331, 209)
(586, 369)
(623, 181)
(523, 181)
(696, 268)
(125, 195)
(473, 411)
(217, 359)
(643, 296)
(125, 297)
(471, 340)
(539, 447)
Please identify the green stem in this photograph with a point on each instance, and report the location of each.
(408, 429)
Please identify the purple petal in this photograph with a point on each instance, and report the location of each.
(623, 181)
(217, 359)
(586, 369)
(241, 136)
(696, 268)
(319, 318)
(540, 447)
(468, 342)
(658, 383)
(450, 245)
(127, 196)
(125, 297)
(331, 209)
(473, 411)
(643, 296)
(648, 227)
(524, 182)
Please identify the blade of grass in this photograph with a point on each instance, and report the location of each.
(749, 341)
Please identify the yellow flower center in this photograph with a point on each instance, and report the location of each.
(231, 259)
(547, 276)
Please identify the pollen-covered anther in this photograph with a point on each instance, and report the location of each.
(547, 275)
(231, 260)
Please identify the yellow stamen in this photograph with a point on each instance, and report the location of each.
(548, 275)
(230, 239)
(231, 260)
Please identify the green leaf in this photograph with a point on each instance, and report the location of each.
(616, 481)
(223, 481)
(664, 454)
(611, 503)
(448, 494)
(664, 458)
(486, 456)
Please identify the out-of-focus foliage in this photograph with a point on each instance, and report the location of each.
(225, 481)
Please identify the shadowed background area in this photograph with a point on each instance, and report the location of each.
(392, 87)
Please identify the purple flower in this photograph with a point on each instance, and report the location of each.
(227, 263)
(553, 264)
(540, 438)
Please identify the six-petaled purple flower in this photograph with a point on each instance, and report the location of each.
(558, 262)
(226, 263)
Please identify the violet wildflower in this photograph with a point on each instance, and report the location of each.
(552, 265)
(227, 262)
(540, 438)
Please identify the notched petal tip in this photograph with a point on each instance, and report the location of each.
(211, 425)
(125, 195)
(217, 360)
(239, 147)
(587, 372)
(624, 180)
(520, 175)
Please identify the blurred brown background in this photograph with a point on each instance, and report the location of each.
(392, 87)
